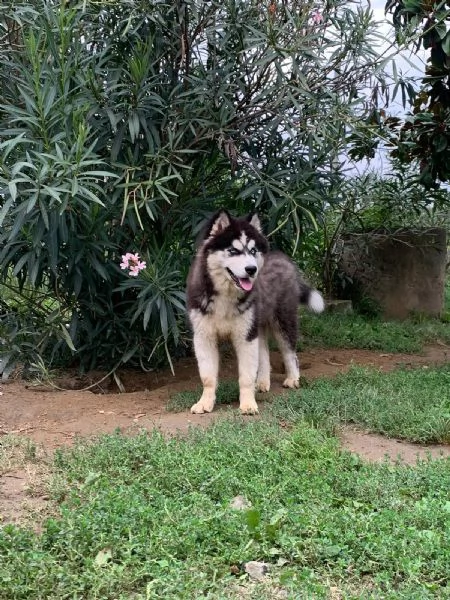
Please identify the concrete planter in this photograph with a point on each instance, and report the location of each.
(403, 272)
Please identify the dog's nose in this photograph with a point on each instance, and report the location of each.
(251, 270)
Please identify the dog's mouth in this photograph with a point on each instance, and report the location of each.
(244, 283)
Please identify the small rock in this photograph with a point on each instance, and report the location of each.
(256, 570)
(240, 503)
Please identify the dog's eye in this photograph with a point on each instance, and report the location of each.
(252, 251)
(233, 251)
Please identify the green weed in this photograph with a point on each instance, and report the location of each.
(227, 392)
(446, 315)
(19, 452)
(149, 517)
(410, 404)
(30, 466)
(357, 331)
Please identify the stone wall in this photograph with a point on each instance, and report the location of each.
(402, 272)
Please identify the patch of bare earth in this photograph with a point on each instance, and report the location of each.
(378, 448)
(52, 417)
(19, 504)
(24, 479)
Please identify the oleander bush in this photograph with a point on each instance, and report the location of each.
(123, 124)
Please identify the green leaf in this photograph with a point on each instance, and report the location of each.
(441, 29)
(252, 518)
(20, 264)
(5, 209)
(446, 44)
(67, 338)
(12, 190)
(440, 143)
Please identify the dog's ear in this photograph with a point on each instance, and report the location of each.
(220, 221)
(253, 219)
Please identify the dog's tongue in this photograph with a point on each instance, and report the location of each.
(245, 284)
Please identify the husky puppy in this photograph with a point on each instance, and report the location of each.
(238, 289)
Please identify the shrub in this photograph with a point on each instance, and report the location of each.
(124, 123)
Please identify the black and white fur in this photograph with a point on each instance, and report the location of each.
(238, 289)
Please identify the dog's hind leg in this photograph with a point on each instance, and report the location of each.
(263, 378)
(207, 353)
(290, 360)
(247, 356)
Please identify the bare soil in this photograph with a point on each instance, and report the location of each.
(53, 417)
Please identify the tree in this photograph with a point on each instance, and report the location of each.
(123, 123)
(424, 136)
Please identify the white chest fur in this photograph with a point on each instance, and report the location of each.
(223, 319)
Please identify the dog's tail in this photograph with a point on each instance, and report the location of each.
(311, 297)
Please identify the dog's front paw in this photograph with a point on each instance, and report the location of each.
(289, 382)
(202, 406)
(249, 408)
(263, 385)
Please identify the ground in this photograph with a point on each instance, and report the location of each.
(53, 417)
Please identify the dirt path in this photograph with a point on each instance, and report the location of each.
(53, 417)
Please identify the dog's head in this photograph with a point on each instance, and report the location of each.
(234, 249)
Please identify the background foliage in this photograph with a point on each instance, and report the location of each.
(367, 203)
(424, 136)
(122, 124)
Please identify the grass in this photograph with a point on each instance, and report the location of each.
(358, 331)
(409, 404)
(27, 463)
(347, 331)
(17, 452)
(227, 392)
(412, 404)
(149, 517)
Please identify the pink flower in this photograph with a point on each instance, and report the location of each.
(131, 261)
(317, 17)
(126, 258)
(134, 270)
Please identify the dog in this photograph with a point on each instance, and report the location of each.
(238, 289)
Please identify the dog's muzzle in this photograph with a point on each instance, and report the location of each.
(244, 283)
